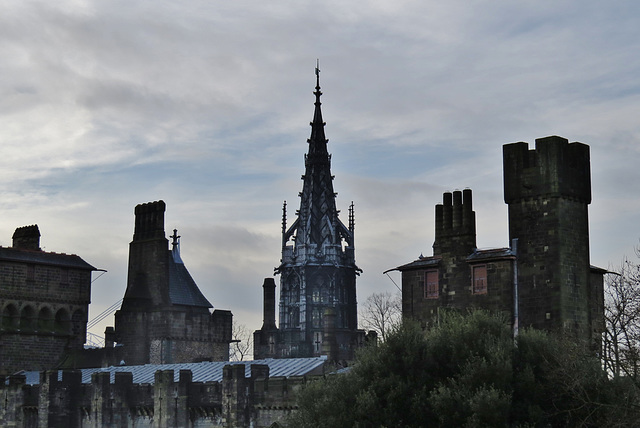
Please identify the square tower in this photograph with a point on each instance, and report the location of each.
(548, 191)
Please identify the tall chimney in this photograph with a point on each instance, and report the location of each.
(269, 302)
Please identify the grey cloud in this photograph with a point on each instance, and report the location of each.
(206, 105)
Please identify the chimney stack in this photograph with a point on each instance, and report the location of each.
(269, 310)
(27, 238)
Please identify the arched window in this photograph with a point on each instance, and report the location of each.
(45, 320)
(62, 322)
(10, 317)
(27, 318)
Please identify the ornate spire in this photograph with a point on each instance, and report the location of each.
(317, 229)
(317, 142)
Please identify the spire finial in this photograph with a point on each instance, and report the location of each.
(352, 218)
(175, 239)
(318, 93)
(175, 246)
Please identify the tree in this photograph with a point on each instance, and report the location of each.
(621, 339)
(468, 372)
(242, 342)
(381, 312)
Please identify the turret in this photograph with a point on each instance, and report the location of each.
(548, 191)
(554, 169)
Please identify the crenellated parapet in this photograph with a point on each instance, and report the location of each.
(555, 168)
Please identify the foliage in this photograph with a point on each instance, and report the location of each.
(467, 372)
(382, 313)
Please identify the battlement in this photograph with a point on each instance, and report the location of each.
(149, 223)
(556, 168)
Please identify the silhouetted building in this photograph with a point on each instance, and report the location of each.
(318, 309)
(44, 298)
(164, 318)
(548, 191)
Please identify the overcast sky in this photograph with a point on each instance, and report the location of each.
(206, 105)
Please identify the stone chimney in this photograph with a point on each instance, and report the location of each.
(27, 238)
(269, 302)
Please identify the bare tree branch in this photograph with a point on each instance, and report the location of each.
(242, 345)
(381, 312)
(621, 339)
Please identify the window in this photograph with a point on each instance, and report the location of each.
(430, 284)
(479, 279)
(316, 318)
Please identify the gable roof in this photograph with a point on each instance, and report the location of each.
(44, 258)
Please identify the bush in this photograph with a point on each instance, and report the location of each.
(467, 372)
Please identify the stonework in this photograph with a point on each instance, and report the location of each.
(547, 191)
(171, 399)
(44, 299)
(164, 318)
(318, 309)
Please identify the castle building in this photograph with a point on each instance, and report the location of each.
(164, 318)
(251, 394)
(318, 310)
(44, 299)
(544, 278)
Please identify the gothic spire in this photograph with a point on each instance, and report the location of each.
(317, 142)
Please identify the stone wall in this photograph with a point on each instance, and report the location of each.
(238, 401)
(44, 300)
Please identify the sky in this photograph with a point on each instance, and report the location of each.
(206, 105)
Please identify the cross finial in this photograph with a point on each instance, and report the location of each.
(175, 238)
(317, 67)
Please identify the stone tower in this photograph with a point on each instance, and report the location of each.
(318, 313)
(164, 318)
(548, 191)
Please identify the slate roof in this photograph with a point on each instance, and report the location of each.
(43, 258)
(422, 262)
(182, 288)
(202, 372)
(491, 254)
